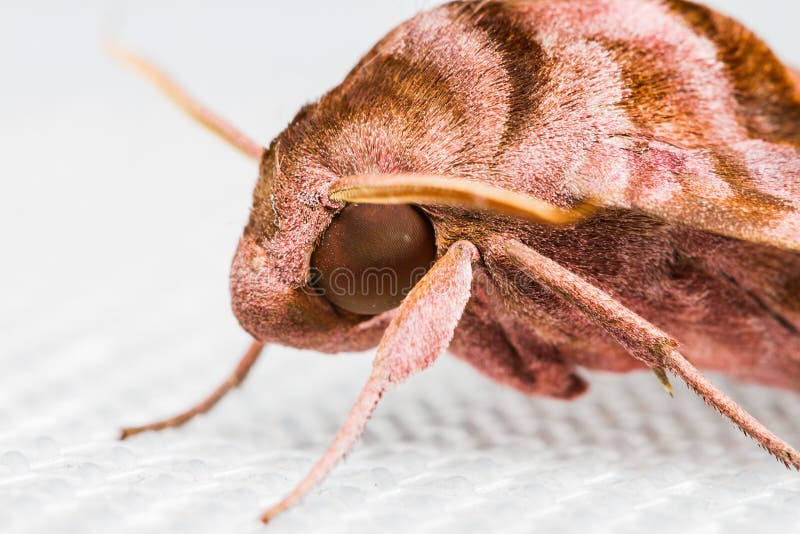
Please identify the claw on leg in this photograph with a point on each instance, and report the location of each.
(233, 381)
(663, 379)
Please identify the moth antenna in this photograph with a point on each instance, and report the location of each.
(453, 192)
(234, 380)
(421, 330)
(643, 340)
(187, 103)
(661, 374)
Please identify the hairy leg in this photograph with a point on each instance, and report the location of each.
(233, 381)
(419, 333)
(644, 341)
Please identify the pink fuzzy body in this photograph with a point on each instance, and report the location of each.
(679, 122)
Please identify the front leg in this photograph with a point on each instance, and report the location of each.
(233, 381)
(643, 340)
(420, 331)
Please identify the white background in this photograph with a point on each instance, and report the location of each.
(118, 220)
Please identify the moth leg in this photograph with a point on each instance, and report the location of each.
(234, 380)
(644, 341)
(189, 105)
(418, 334)
(505, 353)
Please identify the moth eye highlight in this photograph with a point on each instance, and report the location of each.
(371, 256)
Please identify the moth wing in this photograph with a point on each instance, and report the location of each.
(748, 190)
(744, 211)
(729, 162)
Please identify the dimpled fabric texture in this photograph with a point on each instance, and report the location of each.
(118, 220)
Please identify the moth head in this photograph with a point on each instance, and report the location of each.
(339, 231)
(311, 272)
(324, 254)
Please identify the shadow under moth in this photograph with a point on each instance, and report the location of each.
(539, 187)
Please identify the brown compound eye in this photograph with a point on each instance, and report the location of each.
(371, 256)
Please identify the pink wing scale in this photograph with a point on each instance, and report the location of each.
(623, 156)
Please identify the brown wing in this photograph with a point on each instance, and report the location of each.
(716, 146)
(699, 114)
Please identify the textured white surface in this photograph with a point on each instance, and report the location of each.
(118, 219)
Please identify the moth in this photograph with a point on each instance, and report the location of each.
(539, 187)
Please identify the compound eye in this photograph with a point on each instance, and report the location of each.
(371, 256)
